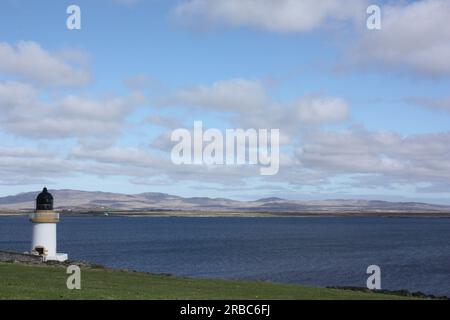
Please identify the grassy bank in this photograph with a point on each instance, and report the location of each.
(20, 281)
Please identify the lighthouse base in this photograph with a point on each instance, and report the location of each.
(58, 257)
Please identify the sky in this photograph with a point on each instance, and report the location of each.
(362, 113)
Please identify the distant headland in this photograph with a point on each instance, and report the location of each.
(161, 204)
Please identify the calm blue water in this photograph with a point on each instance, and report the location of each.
(413, 253)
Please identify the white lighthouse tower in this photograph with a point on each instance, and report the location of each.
(44, 221)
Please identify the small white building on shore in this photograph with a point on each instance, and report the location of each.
(44, 220)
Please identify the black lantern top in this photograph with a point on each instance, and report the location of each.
(44, 200)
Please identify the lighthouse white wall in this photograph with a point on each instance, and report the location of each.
(44, 234)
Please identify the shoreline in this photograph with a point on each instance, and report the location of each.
(199, 214)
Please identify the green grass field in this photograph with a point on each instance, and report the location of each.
(18, 281)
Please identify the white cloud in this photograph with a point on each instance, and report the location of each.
(16, 98)
(253, 107)
(114, 155)
(226, 95)
(370, 159)
(273, 15)
(109, 109)
(24, 114)
(388, 156)
(414, 36)
(21, 152)
(138, 82)
(318, 110)
(28, 61)
(437, 103)
(23, 165)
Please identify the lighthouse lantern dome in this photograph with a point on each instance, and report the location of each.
(44, 200)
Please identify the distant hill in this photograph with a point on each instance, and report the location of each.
(106, 201)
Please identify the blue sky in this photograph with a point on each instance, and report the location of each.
(131, 60)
